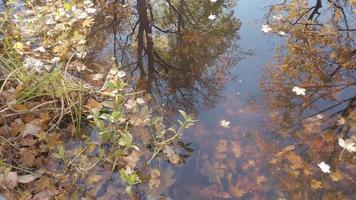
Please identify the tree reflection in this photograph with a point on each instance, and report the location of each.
(319, 55)
(181, 57)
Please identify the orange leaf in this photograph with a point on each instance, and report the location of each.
(316, 184)
(19, 107)
(295, 160)
(92, 104)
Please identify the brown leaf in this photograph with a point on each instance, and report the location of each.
(260, 179)
(19, 107)
(53, 140)
(27, 178)
(222, 146)
(215, 191)
(92, 104)
(239, 188)
(295, 160)
(329, 137)
(28, 157)
(44, 195)
(11, 180)
(93, 179)
(32, 128)
(132, 159)
(236, 149)
(28, 140)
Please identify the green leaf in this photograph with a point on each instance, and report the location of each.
(126, 139)
(116, 115)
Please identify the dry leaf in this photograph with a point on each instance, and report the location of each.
(27, 178)
(295, 160)
(93, 179)
(32, 128)
(236, 149)
(28, 157)
(336, 176)
(19, 107)
(316, 184)
(11, 180)
(222, 146)
(215, 191)
(92, 104)
(132, 159)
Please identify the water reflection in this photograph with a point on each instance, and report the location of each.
(319, 56)
(184, 60)
(180, 56)
(175, 53)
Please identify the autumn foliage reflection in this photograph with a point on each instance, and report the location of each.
(179, 55)
(319, 56)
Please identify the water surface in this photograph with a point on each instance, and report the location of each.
(228, 69)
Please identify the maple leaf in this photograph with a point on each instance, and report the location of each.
(212, 172)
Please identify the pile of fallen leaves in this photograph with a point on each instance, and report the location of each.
(60, 136)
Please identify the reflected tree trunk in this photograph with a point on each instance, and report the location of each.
(144, 32)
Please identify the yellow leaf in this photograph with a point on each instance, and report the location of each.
(336, 176)
(94, 179)
(307, 171)
(67, 6)
(316, 184)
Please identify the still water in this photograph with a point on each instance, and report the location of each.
(256, 138)
(271, 103)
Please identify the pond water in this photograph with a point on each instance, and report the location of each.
(273, 92)
(256, 137)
